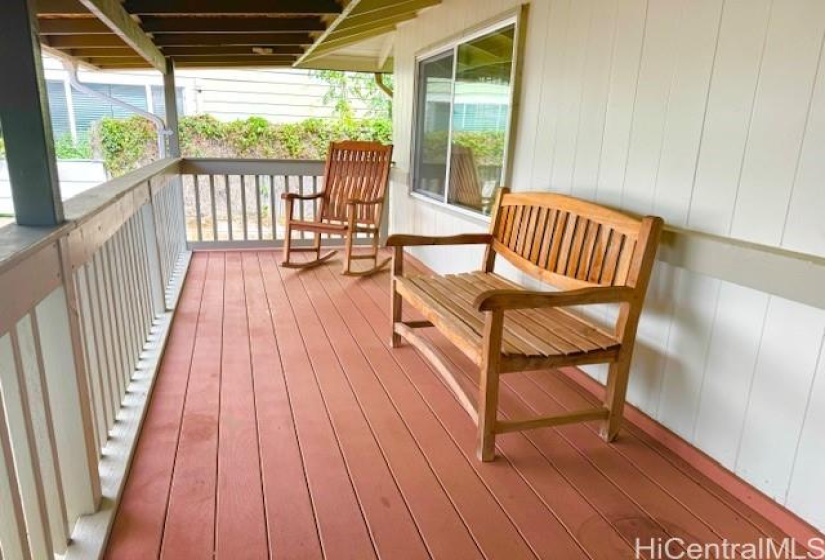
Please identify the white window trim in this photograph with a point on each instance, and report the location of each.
(513, 17)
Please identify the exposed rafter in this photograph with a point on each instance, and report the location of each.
(361, 20)
(246, 7)
(231, 39)
(84, 41)
(73, 26)
(227, 50)
(231, 25)
(110, 34)
(111, 13)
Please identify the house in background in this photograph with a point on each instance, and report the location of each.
(280, 421)
(278, 95)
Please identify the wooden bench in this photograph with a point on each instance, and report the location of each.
(590, 254)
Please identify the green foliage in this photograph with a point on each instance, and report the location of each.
(65, 147)
(2, 147)
(346, 87)
(126, 144)
(487, 147)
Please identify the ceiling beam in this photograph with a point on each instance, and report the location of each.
(212, 7)
(84, 41)
(72, 26)
(156, 25)
(111, 13)
(231, 39)
(227, 50)
(95, 53)
(217, 59)
(59, 7)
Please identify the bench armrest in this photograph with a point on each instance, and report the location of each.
(296, 196)
(402, 240)
(491, 300)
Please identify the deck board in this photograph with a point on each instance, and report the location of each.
(283, 425)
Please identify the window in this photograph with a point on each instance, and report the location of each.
(463, 116)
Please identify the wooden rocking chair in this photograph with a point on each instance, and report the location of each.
(352, 202)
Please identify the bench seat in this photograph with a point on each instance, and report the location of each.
(532, 338)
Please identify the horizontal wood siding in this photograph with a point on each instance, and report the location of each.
(710, 113)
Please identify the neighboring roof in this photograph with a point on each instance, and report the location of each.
(135, 34)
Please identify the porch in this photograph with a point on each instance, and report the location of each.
(167, 389)
(282, 425)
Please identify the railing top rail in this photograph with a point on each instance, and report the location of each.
(87, 204)
(219, 166)
(19, 242)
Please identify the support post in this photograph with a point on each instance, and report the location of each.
(171, 99)
(24, 114)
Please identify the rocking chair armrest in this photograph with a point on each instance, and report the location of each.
(504, 299)
(296, 196)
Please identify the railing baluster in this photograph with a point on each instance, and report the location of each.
(101, 324)
(114, 323)
(228, 206)
(123, 301)
(258, 206)
(13, 534)
(24, 446)
(244, 219)
(197, 183)
(90, 353)
(214, 208)
(272, 208)
(102, 280)
(43, 420)
(137, 334)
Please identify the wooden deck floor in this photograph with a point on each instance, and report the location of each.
(283, 426)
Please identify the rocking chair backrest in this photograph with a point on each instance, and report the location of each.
(355, 170)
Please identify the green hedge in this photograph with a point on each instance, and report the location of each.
(126, 144)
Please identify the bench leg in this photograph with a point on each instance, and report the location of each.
(488, 385)
(395, 298)
(617, 379)
(487, 413)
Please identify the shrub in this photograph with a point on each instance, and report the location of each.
(126, 144)
(66, 147)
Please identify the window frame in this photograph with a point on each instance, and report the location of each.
(450, 46)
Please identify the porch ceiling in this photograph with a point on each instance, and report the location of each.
(141, 34)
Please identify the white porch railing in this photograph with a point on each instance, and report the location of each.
(237, 203)
(84, 316)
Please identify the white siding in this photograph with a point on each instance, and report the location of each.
(710, 113)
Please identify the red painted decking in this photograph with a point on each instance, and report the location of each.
(283, 426)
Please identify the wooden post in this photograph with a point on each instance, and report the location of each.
(24, 114)
(171, 99)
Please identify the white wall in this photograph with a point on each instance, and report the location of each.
(710, 113)
(277, 94)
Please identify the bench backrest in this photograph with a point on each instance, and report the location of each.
(355, 170)
(570, 243)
